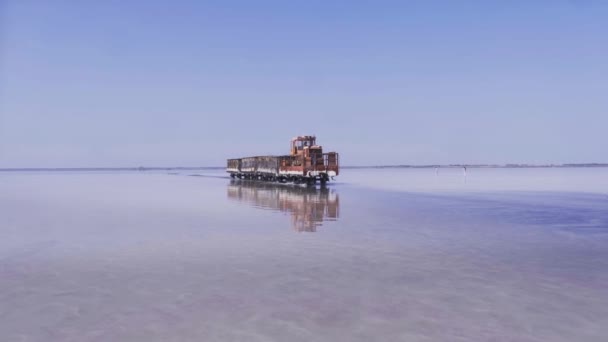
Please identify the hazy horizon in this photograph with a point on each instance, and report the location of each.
(383, 83)
(128, 167)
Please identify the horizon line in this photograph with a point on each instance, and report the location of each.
(143, 168)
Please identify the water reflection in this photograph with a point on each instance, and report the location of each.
(309, 206)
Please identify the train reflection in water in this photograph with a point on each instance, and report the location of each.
(309, 206)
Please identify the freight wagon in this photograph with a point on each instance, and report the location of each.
(306, 163)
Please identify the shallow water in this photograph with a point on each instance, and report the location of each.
(392, 255)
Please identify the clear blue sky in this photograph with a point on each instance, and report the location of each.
(122, 83)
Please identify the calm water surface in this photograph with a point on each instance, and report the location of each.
(379, 255)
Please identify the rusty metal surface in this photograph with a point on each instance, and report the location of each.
(306, 158)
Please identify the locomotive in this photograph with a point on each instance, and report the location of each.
(305, 163)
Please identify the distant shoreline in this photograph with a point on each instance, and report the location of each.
(497, 166)
(186, 168)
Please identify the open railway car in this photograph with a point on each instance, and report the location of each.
(306, 163)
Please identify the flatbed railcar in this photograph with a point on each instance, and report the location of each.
(306, 163)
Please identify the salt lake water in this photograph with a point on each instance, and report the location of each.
(378, 255)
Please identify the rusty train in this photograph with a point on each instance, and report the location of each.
(306, 163)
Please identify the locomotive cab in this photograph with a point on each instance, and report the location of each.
(306, 148)
(302, 145)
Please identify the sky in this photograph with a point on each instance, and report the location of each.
(192, 83)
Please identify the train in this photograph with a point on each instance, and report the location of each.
(305, 164)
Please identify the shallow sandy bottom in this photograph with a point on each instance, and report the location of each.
(159, 257)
